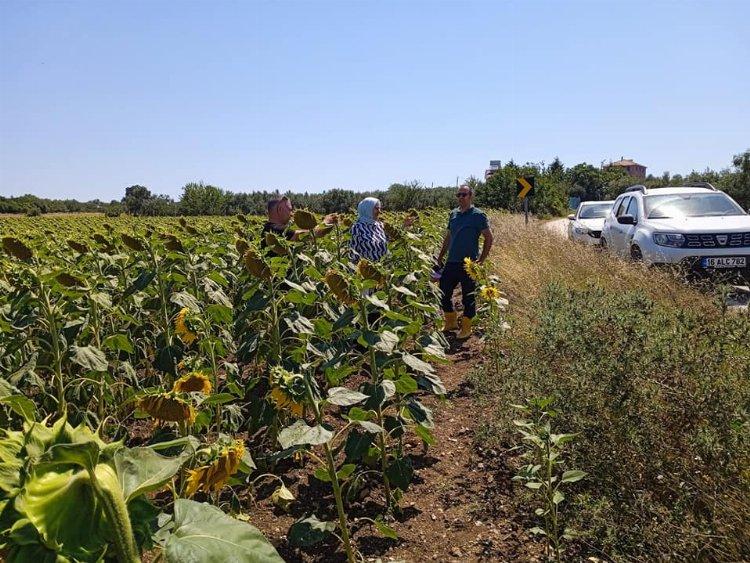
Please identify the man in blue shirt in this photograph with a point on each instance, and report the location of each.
(465, 224)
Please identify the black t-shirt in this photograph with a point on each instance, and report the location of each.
(269, 227)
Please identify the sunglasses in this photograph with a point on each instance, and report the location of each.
(463, 194)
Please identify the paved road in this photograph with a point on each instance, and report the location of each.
(738, 298)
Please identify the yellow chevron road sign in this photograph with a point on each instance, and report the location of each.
(525, 186)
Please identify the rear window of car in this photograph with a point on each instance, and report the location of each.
(669, 206)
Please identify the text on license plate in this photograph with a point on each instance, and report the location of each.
(724, 262)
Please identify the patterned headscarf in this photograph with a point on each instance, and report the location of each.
(366, 208)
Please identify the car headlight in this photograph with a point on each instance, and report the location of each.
(669, 239)
(581, 230)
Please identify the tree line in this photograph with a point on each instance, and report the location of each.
(556, 184)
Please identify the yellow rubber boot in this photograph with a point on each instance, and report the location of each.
(451, 322)
(465, 329)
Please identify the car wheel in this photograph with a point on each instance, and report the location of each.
(635, 253)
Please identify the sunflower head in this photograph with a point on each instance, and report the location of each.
(17, 249)
(369, 271)
(339, 286)
(67, 280)
(273, 242)
(214, 476)
(167, 408)
(391, 231)
(193, 381)
(173, 244)
(79, 247)
(256, 265)
(183, 326)
(133, 243)
(332, 219)
(241, 245)
(101, 239)
(304, 219)
(473, 269)
(288, 390)
(489, 293)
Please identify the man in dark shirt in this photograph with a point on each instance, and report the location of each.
(465, 224)
(279, 212)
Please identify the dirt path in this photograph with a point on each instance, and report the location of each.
(457, 509)
(462, 502)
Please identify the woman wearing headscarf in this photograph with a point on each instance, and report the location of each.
(368, 235)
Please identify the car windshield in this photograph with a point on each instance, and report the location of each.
(690, 205)
(598, 211)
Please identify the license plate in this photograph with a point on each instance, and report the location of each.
(724, 262)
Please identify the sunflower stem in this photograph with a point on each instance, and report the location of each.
(118, 518)
(375, 379)
(49, 314)
(331, 463)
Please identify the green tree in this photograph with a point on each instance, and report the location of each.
(135, 198)
(738, 181)
(202, 199)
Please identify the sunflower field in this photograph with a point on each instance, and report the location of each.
(155, 372)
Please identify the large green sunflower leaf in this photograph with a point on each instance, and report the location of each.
(203, 534)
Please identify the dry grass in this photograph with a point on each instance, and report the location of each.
(527, 259)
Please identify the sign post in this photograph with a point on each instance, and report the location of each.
(526, 209)
(525, 186)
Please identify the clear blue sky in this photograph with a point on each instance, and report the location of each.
(96, 96)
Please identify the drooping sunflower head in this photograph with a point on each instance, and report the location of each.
(241, 245)
(256, 265)
(167, 408)
(369, 271)
(304, 219)
(17, 249)
(273, 242)
(133, 243)
(184, 326)
(473, 269)
(288, 390)
(79, 247)
(392, 232)
(214, 476)
(67, 280)
(173, 244)
(332, 219)
(195, 381)
(339, 286)
(101, 239)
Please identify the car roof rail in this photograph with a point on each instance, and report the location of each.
(706, 185)
(637, 188)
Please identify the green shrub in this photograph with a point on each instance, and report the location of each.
(660, 397)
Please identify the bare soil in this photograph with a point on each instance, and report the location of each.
(458, 508)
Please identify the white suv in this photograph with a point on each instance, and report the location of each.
(699, 227)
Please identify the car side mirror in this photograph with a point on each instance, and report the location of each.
(571, 217)
(626, 220)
